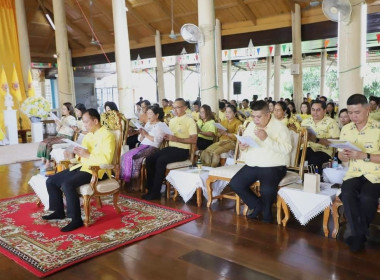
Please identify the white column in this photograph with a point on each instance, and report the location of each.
(219, 60)
(351, 52)
(123, 59)
(160, 68)
(277, 72)
(206, 21)
(269, 73)
(23, 40)
(42, 84)
(65, 71)
(323, 73)
(297, 55)
(10, 121)
(178, 73)
(229, 82)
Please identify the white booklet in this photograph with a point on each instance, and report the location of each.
(72, 143)
(136, 124)
(247, 140)
(342, 144)
(165, 129)
(219, 126)
(53, 116)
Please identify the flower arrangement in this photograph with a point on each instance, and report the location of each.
(36, 107)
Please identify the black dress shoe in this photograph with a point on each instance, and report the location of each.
(54, 216)
(72, 226)
(254, 213)
(356, 243)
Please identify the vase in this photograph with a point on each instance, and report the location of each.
(35, 119)
(37, 132)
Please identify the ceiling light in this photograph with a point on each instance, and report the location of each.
(50, 21)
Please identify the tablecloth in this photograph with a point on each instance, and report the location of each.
(305, 205)
(187, 180)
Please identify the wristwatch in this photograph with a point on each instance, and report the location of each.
(368, 158)
(317, 140)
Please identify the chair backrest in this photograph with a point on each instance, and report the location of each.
(298, 155)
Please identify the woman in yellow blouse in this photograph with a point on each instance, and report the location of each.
(227, 139)
(330, 111)
(305, 111)
(206, 128)
(283, 114)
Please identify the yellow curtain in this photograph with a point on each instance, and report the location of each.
(10, 55)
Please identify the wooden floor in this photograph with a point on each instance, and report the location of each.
(219, 245)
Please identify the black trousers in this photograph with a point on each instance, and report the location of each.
(67, 182)
(156, 166)
(317, 159)
(360, 199)
(269, 178)
(202, 143)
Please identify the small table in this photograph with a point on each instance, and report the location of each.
(189, 180)
(305, 205)
(23, 134)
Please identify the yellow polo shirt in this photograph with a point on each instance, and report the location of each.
(247, 112)
(195, 115)
(292, 121)
(221, 115)
(368, 140)
(206, 127)
(167, 110)
(325, 128)
(101, 146)
(274, 150)
(375, 115)
(182, 127)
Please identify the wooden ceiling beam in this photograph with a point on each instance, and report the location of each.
(247, 11)
(290, 4)
(139, 17)
(83, 37)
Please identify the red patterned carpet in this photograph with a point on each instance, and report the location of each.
(40, 246)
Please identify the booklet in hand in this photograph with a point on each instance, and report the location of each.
(136, 124)
(219, 126)
(342, 144)
(72, 143)
(248, 141)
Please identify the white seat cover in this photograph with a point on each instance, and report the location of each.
(290, 178)
(179, 164)
(104, 186)
(226, 171)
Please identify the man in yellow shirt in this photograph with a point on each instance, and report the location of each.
(266, 163)
(98, 148)
(374, 111)
(165, 106)
(321, 127)
(195, 112)
(245, 110)
(361, 185)
(184, 132)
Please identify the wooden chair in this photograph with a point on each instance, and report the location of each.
(337, 218)
(110, 186)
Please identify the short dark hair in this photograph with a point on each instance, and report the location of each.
(284, 108)
(317, 101)
(356, 99)
(324, 97)
(260, 105)
(197, 103)
(342, 111)
(164, 99)
(181, 100)
(374, 98)
(111, 105)
(246, 100)
(93, 113)
(222, 105)
(157, 110)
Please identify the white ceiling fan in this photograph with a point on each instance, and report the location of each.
(172, 34)
(93, 40)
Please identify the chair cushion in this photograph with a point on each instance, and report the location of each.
(224, 155)
(104, 186)
(226, 171)
(178, 164)
(290, 178)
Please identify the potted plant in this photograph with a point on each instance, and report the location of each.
(36, 108)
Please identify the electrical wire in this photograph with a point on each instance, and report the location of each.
(92, 31)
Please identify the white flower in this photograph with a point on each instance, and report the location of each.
(36, 107)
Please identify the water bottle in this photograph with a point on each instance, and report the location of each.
(43, 170)
(335, 163)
